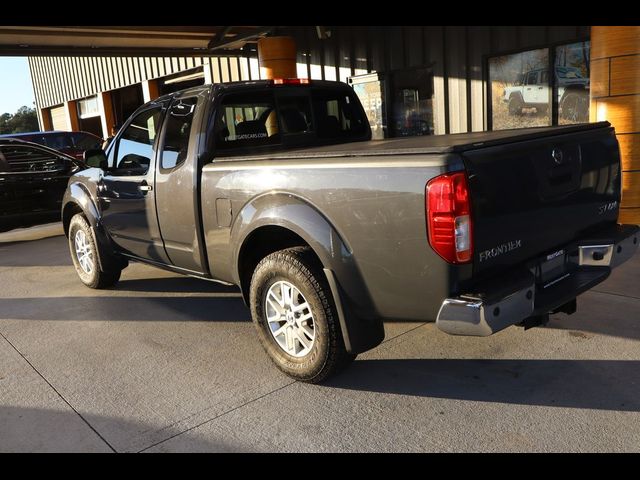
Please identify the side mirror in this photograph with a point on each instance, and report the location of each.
(96, 158)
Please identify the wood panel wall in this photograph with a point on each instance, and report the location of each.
(615, 96)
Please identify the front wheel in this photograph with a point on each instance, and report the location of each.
(84, 253)
(295, 315)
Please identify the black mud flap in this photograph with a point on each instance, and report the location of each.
(359, 334)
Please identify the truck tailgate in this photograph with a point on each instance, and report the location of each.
(531, 197)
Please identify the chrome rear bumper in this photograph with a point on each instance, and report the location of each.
(497, 306)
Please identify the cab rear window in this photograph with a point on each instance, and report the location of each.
(288, 117)
(337, 115)
(247, 120)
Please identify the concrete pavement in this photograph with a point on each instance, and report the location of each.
(169, 363)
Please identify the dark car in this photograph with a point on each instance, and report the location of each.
(33, 179)
(71, 143)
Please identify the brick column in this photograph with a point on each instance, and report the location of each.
(615, 96)
(71, 109)
(45, 117)
(107, 118)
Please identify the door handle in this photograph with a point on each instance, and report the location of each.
(144, 187)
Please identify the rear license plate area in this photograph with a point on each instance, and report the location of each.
(551, 269)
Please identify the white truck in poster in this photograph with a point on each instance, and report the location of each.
(532, 90)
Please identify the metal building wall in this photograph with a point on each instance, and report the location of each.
(456, 54)
(59, 79)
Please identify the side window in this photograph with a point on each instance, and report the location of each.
(246, 120)
(25, 159)
(336, 115)
(135, 146)
(532, 78)
(177, 131)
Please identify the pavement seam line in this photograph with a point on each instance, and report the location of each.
(218, 416)
(616, 294)
(58, 393)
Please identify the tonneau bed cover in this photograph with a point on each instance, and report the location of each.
(431, 144)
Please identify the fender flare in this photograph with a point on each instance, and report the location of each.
(78, 197)
(77, 194)
(362, 328)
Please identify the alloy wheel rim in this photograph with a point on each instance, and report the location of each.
(84, 253)
(290, 319)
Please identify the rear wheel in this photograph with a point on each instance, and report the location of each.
(295, 315)
(515, 105)
(84, 253)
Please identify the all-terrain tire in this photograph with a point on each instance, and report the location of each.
(299, 268)
(84, 253)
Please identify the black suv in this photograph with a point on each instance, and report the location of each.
(33, 179)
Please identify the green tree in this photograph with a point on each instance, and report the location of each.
(5, 118)
(24, 120)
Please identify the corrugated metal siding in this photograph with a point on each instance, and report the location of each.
(456, 55)
(59, 79)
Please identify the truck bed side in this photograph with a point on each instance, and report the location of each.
(375, 206)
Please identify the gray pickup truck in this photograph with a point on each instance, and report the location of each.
(275, 186)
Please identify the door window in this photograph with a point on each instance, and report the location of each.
(177, 132)
(134, 150)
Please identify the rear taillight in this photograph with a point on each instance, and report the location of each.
(449, 217)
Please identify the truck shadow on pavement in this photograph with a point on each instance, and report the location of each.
(45, 252)
(594, 384)
(149, 308)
